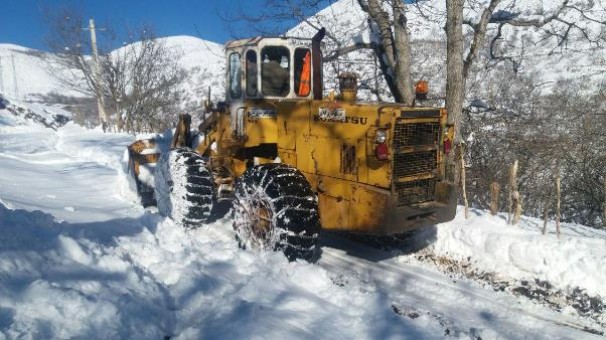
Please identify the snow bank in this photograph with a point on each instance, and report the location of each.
(79, 259)
(522, 252)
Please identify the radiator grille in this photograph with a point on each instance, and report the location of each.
(415, 163)
(410, 159)
(415, 134)
(415, 191)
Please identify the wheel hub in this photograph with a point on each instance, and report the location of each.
(261, 222)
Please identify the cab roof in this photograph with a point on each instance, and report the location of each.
(288, 41)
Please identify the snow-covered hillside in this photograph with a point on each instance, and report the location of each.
(27, 74)
(579, 58)
(80, 258)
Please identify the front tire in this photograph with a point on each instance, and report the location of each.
(276, 209)
(184, 187)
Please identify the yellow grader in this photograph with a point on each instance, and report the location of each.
(293, 162)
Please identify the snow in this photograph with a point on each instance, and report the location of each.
(80, 258)
(522, 252)
(25, 73)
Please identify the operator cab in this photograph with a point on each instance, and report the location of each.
(274, 68)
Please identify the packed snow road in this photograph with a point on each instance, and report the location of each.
(79, 258)
(457, 308)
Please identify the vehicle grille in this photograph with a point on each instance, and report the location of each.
(415, 148)
(415, 134)
(415, 191)
(414, 163)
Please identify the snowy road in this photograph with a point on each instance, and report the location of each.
(460, 308)
(78, 258)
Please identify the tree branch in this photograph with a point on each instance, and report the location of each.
(348, 49)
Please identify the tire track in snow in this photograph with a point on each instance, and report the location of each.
(461, 303)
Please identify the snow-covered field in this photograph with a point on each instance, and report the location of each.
(80, 258)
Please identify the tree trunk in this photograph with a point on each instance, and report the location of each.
(454, 73)
(545, 215)
(515, 202)
(479, 37)
(495, 189)
(393, 49)
(402, 53)
(119, 118)
(604, 217)
(516, 199)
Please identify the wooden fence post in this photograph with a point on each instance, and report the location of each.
(558, 199)
(463, 187)
(495, 188)
(510, 196)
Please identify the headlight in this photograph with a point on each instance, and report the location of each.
(381, 136)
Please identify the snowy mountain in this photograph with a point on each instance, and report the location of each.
(204, 64)
(27, 74)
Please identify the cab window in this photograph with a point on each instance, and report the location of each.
(235, 76)
(275, 71)
(302, 72)
(251, 73)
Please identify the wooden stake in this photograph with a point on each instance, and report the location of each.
(495, 189)
(558, 199)
(515, 195)
(463, 187)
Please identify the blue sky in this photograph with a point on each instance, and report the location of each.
(21, 21)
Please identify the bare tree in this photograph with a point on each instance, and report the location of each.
(138, 81)
(142, 81)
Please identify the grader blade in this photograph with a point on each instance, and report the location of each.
(143, 156)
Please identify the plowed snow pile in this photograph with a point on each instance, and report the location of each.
(576, 260)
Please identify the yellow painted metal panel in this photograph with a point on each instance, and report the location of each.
(334, 212)
(293, 119)
(367, 208)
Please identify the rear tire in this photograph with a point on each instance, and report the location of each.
(276, 209)
(184, 187)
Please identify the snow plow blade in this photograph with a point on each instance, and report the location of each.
(143, 156)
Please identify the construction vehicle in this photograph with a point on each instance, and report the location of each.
(294, 162)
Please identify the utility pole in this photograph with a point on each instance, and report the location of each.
(16, 87)
(97, 75)
(1, 78)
